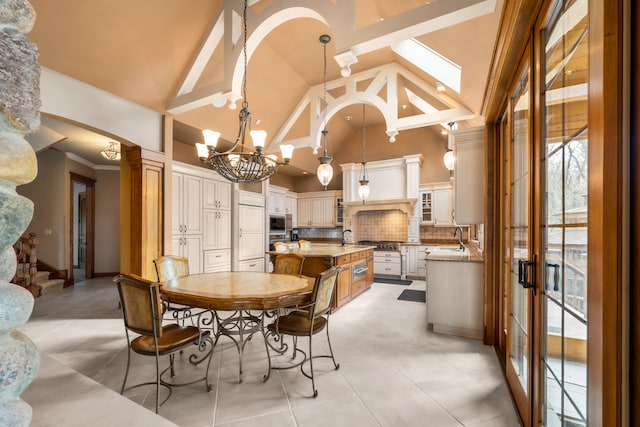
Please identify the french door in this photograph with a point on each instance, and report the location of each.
(518, 265)
(545, 177)
(564, 151)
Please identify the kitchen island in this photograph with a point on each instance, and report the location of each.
(357, 261)
(455, 292)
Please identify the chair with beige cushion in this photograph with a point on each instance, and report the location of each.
(169, 267)
(288, 264)
(142, 314)
(309, 320)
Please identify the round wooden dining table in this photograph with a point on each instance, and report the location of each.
(237, 290)
(235, 303)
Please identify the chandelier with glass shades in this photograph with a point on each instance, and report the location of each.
(363, 190)
(111, 151)
(325, 171)
(236, 164)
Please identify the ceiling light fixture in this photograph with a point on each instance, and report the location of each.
(242, 166)
(449, 158)
(363, 190)
(440, 87)
(111, 151)
(325, 171)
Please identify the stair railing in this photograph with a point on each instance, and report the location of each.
(27, 257)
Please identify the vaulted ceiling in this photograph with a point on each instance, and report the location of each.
(178, 57)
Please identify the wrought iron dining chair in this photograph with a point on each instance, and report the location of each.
(288, 264)
(308, 320)
(169, 267)
(142, 315)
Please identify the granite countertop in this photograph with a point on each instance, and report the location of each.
(324, 250)
(470, 254)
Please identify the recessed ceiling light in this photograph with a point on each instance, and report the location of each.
(348, 118)
(258, 121)
(404, 106)
(381, 19)
(444, 132)
(440, 87)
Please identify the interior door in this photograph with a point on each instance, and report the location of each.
(520, 274)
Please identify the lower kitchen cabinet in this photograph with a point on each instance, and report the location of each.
(215, 261)
(412, 261)
(189, 247)
(455, 297)
(256, 264)
(387, 263)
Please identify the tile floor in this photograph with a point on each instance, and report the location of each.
(393, 372)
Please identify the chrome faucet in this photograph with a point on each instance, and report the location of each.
(459, 237)
(344, 231)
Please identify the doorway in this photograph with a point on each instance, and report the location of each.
(81, 230)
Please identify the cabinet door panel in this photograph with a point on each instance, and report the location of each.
(192, 204)
(224, 195)
(317, 212)
(192, 250)
(442, 207)
(224, 229)
(210, 220)
(176, 204)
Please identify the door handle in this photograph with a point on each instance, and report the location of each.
(523, 274)
(556, 276)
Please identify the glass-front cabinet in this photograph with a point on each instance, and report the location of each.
(426, 206)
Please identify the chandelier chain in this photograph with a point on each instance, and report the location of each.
(245, 103)
(364, 137)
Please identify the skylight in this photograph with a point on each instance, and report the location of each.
(431, 62)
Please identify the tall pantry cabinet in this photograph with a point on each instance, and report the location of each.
(201, 218)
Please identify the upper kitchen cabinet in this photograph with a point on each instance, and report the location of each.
(469, 175)
(277, 200)
(316, 209)
(292, 207)
(436, 204)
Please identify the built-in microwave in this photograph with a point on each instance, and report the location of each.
(280, 224)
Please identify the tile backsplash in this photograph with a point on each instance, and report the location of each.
(390, 225)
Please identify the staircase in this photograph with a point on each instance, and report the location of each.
(27, 274)
(41, 284)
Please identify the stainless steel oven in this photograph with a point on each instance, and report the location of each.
(359, 270)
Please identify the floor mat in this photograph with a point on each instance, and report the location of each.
(392, 281)
(413, 295)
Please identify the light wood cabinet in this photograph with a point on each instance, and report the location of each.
(201, 216)
(277, 200)
(412, 261)
(292, 208)
(316, 209)
(442, 209)
(469, 175)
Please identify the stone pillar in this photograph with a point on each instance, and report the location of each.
(19, 116)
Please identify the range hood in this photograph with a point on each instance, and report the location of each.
(405, 205)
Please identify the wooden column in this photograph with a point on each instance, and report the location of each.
(146, 240)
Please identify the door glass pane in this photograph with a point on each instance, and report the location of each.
(565, 176)
(520, 240)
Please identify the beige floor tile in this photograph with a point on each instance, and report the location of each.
(342, 412)
(406, 405)
(392, 370)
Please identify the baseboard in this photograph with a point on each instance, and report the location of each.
(106, 274)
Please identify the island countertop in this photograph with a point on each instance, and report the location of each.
(324, 250)
(469, 255)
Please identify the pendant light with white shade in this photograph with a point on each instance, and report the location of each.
(363, 190)
(325, 171)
